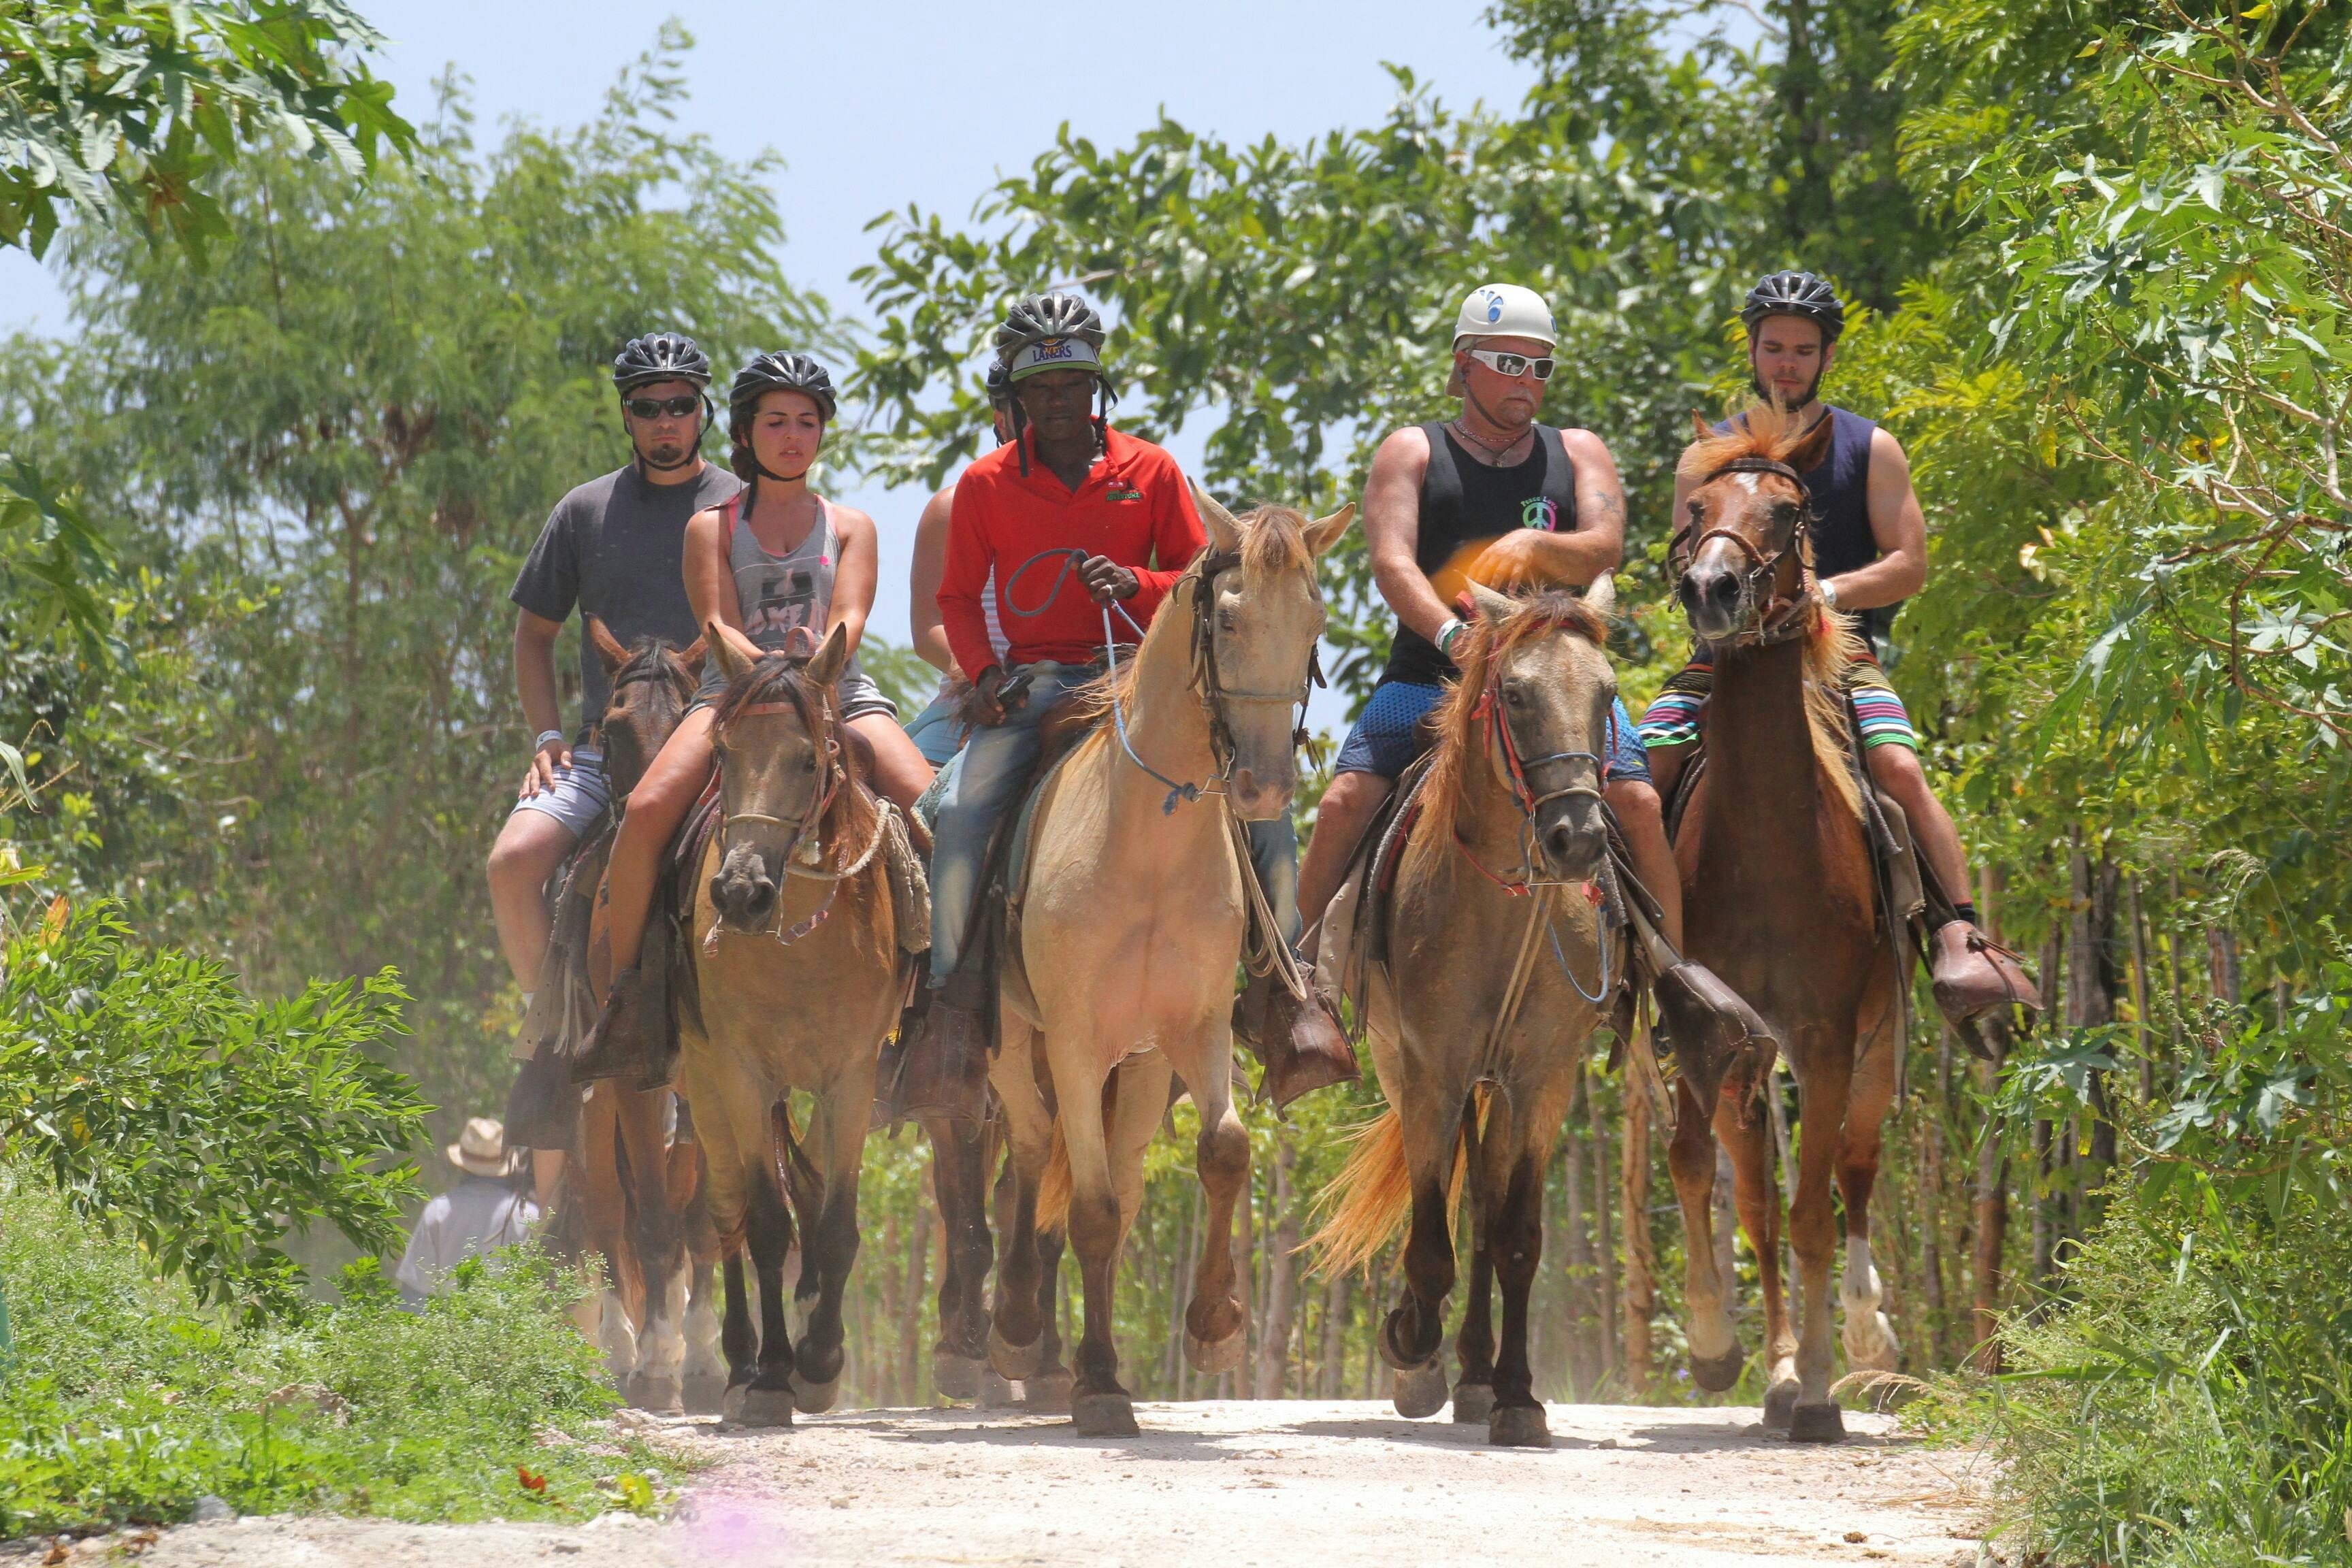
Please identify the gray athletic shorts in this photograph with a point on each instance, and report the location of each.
(580, 794)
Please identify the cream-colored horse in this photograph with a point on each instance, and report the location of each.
(1132, 927)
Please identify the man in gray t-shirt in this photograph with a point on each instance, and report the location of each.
(612, 548)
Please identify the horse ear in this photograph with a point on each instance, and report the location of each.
(1324, 533)
(832, 658)
(731, 664)
(1602, 597)
(1812, 447)
(1493, 608)
(1224, 533)
(1700, 430)
(693, 655)
(609, 651)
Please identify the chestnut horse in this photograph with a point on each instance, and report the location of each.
(1780, 898)
(1498, 972)
(799, 976)
(1134, 919)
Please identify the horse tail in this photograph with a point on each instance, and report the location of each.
(1372, 1198)
(1055, 1187)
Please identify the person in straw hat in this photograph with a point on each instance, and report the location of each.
(484, 1211)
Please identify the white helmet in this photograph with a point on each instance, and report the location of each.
(1504, 311)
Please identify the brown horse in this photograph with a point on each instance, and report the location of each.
(1134, 919)
(799, 976)
(1780, 898)
(627, 1187)
(1498, 972)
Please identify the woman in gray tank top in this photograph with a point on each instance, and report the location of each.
(775, 569)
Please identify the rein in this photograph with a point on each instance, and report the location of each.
(1779, 620)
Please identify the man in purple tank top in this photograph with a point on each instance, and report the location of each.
(1870, 554)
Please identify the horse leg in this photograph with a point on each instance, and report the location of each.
(1514, 1241)
(705, 1380)
(1015, 1324)
(1100, 1406)
(1213, 1321)
(1813, 1237)
(1757, 1196)
(959, 1186)
(659, 1244)
(843, 1114)
(1474, 1343)
(1047, 1390)
(1716, 1358)
(765, 1399)
(1412, 1332)
(1870, 1344)
(603, 1211)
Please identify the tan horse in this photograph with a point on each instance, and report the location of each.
(800, 977)
(1497, 974)
(1780, 899)
(1132, 924)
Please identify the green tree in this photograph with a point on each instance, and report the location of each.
(134, 109)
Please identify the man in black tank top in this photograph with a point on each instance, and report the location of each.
(1495, 496)
(1870, 554)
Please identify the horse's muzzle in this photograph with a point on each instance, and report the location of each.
(1260, 797)
(1711, 599)
(1572, 838)
(744, 891)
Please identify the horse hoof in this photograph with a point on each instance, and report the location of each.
(995, 1393)
(1716, 1374)
(1473, 1404)
(1212, 1358)
(1103, 1415)
(1519, 1426)
(1013, 1362)
(658, 1395)
(1818, 1423)
(755, 1406)
(1419, 1391)
(955, 1376)
(815, 1398)
(1048, 1392)
(705, 1395)
(1780, 1406)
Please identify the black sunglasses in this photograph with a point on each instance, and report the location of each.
(657, 407)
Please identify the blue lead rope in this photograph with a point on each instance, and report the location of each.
(1071, 558)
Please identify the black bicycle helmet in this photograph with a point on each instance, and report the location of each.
(660, 356)
(1801, 294)
(1051, 315)
(779, 371)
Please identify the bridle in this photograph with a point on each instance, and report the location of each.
(664, 670)
(1214, 697)
(1778, 619)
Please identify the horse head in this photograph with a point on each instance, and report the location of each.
(651, 684)
(1745, 544)
(1259, 611)
(782, 766)
(1536, 680)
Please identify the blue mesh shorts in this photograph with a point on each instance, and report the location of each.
(1388, 737)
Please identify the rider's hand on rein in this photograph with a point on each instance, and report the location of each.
(1107, 580)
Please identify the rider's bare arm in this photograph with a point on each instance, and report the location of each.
(710, 586)
(1392, 531)
(542, 708)
(855, 574)
(962, 580)
(1899, 528)
(923, 582)
(1574, 559)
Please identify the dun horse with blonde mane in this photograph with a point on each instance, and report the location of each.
(1121, 971)
(1498, 972)
(1780, 898)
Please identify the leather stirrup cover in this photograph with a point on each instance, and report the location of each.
(1719, 1039)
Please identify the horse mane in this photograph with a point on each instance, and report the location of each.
(1273, 539)
(657, 661)
(780, 678)
(1454, 718)
(1766, 430)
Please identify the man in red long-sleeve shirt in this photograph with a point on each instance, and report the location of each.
(1118, 512)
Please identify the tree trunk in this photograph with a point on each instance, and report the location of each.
(1282, 1275)
(1605, 1256)
(1229, 1385)
(2221, 963)
(1330, 1374)
(2090, 1001)
(1991, 1219)
(2140, 991)
(910, 1309)
(1585, 1355)
(1640, 1290)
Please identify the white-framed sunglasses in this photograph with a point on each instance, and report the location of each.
(1503, 363)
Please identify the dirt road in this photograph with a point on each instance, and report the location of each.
(1306, 1485)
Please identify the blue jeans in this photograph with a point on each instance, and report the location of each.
(937, 732)
(985, 782)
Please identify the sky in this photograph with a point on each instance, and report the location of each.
(921, 102)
